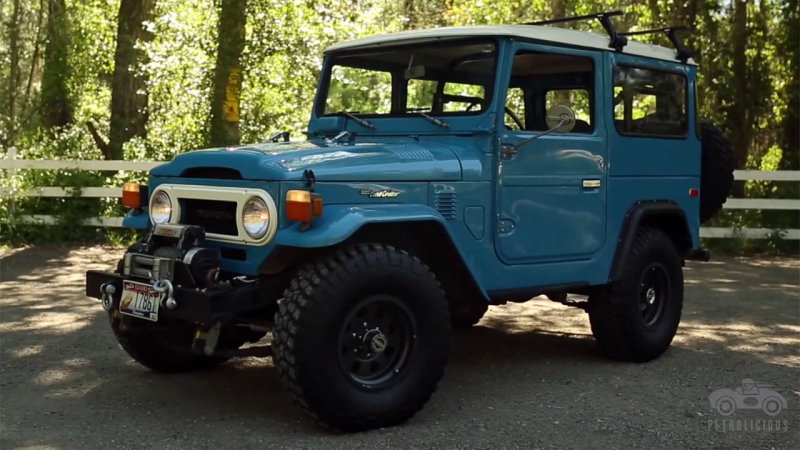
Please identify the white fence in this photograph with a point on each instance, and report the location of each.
(13, 164)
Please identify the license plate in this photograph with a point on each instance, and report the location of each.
(140, 300)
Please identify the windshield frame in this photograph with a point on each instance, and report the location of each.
(399, 83)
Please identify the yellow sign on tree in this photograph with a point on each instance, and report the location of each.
(230, 109)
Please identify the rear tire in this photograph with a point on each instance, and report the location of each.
(636, 318)
(362, 337)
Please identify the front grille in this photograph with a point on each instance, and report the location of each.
(214, 216)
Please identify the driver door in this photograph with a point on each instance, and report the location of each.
(552, 190)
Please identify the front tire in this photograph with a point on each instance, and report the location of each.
(636, 318)
(161, 346)
(362, 337)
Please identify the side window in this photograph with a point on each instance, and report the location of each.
(549, 79)
(649, 102)
(578, 100)
(515, 102)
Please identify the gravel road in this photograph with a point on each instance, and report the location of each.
(528, 376)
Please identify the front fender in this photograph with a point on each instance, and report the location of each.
(139, 221)
(339, 222)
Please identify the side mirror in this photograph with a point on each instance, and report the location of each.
(560, 118)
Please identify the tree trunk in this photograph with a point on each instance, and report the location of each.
(410, 14)
(56, 106)
(228, 74)
(36, 50)
(791, 119)
(738, 117)
(13, 74)
(557, 10)
(129, 82)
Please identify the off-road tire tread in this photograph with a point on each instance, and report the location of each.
(325, 273)
(608, 314)
(152, 354)
(716, 170)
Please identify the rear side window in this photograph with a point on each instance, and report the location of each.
(649, 102)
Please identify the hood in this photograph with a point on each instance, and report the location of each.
(393, 161)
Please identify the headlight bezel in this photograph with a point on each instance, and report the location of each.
(240, 195)
(154, 204)
(263, 209)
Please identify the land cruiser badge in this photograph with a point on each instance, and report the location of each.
(385, 193)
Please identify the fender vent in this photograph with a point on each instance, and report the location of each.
(445, 203)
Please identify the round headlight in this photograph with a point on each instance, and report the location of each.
(161, 208)
(255, 218)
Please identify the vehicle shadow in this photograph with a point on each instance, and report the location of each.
(526, 371)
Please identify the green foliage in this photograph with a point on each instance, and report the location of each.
(752, 94)
(17, 210)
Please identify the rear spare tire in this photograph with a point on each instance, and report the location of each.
(716, 170)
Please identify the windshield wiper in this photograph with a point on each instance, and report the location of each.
(358, 120)
(432, 119)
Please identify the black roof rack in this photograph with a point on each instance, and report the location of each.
(684, 53)
(618, 40)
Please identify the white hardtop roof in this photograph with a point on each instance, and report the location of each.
(535, 32)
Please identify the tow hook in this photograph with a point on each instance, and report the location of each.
(166, 286)
(107, 291)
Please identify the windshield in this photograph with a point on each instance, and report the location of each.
(443, 78)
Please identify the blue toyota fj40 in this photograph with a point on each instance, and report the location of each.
(445, 170)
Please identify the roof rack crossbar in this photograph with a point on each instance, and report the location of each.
(683, 52)
(618, 41)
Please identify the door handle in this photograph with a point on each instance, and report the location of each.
(592, 183)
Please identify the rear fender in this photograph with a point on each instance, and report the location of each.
(665, 215)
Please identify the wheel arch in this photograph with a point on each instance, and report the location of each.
(417, 229)
(664, 215)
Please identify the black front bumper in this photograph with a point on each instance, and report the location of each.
(206, 305)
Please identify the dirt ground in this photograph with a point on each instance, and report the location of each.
(528, 376)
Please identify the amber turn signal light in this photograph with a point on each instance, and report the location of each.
(130, 196)
(303, 206)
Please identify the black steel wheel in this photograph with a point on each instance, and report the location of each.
(636, 317)
(362, 337)
(376, 340)
(653, 293)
